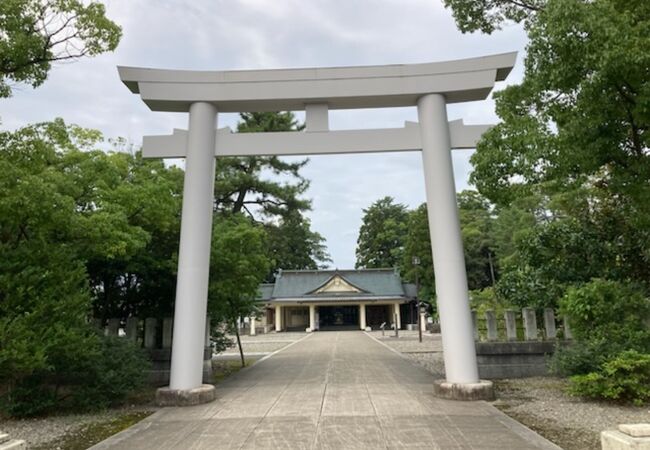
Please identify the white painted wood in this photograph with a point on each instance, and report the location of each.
(340, 87)
(194, 251)
(446, 243)
(312, 143)
(316, 117)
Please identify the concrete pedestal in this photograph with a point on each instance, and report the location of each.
(628, 436)
(6, 443)
(483, 390)
(185, 397)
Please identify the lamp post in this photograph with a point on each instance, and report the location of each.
(416, 265)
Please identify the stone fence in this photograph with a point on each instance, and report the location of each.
(504, 349)
(155, 337)
(491, 329)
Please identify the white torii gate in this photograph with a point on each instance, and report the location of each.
(429, 86)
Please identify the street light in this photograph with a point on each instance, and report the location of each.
(416, 264)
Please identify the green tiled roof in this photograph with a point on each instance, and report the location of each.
(301, 283)
(265, 291)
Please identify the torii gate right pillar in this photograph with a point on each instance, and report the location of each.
(461, 371)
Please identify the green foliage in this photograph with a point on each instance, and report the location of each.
(476, 221)
(382, 234)
(625, 377)
(219, 340)
(489, 15)
(606, 318)
(242, 187)
(239, 183)
(36, 33)
(118, 370)
(81, 376)
(581, 357)
(568, 165)
(238, 265)
(482, 300)
(83, 230)
(292, 245)
(580, 114)
(476, 224)
(609, 311)
(116, 212)
(417, 244)
(50, 357)
(44, 304)
(67, 213)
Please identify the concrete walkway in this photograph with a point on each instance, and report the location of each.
(330, 390)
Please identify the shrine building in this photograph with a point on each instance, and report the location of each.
(311, 300)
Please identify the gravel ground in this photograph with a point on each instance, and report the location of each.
(427, 353)
(41, 431)
(539, 403)
(265, 343)
(574, 424)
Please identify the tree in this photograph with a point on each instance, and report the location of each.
(118, 213)
(49, 352)
(381, 237)
(488, 15)
(240, 187)
(238, 265)
(138, 283)
(417, 243)
(36, 33)
(294, 246)
(572, 145)
(476, 223)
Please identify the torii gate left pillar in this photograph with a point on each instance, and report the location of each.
(430, 87)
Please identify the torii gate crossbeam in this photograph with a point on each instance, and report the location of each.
(429, 86)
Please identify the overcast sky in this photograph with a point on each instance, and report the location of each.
(252, 34)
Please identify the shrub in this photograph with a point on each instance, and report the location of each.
(100, 374)
(579, 357)
(119, 369)
(219, 341)
(625, 377)
(609, 311)
(607, 318)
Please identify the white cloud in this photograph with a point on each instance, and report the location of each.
(228, 34)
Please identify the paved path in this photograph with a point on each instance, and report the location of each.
(331, 390)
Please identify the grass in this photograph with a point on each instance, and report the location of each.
(222, 369)
(89, 435)
(96, 432)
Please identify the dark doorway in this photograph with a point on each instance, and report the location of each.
(338, 318)
(378, 314)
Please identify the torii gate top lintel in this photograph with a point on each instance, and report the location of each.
(339, 87)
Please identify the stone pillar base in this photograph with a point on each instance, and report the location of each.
(483, 390)
(628, 436)
(185, 397)
(6, 443)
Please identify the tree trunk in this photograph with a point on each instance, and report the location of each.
(241, 350)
